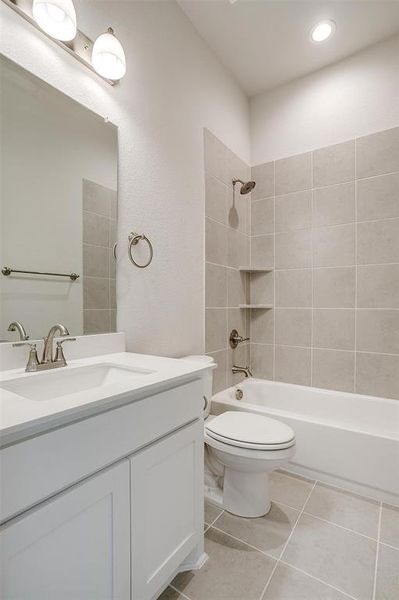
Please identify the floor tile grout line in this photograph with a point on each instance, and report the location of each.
(179, 592)
(237, 539)
(286, 543)
(377, 551)
(388, 546)
(284, 562)
(340, 526)
(332, 485)
(214, 521)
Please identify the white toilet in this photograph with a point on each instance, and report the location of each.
(243, 448)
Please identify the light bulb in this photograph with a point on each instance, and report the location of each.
(322, 31)
(108, 57)
(56, 17)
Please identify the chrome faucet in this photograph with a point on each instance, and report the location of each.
(246, 370)
(48, 341)
(17, 326)
(48, 362)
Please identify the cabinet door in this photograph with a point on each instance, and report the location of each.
(76, 546)
(167, 508)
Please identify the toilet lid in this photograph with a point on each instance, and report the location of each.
(249, 430)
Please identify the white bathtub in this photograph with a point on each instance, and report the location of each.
(348, 440)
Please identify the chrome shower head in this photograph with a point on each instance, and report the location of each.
(246, 186)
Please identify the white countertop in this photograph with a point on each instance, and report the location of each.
(21, 417)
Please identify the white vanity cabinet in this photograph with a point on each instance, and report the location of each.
(107, 508)
(74, 546)
(167, 505)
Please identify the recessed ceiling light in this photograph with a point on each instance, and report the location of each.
(322, 31)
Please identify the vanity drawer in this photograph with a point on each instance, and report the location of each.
(36, 469)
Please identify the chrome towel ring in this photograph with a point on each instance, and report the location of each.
(134, 239)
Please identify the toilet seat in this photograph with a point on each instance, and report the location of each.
(250, 431)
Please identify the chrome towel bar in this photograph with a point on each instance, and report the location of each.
(8, 271)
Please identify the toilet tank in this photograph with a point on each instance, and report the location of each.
(208, 378)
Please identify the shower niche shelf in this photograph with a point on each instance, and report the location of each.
(259, 306)
(255, 269)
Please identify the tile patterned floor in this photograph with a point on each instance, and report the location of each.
(317, 543)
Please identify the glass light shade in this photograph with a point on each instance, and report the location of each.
(56, 17)
(322, 31)
(108, 57)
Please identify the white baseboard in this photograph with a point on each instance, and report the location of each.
(194, 565)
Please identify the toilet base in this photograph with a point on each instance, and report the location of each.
(246, 494)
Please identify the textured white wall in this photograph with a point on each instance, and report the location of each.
(355, 97)
(173, 88)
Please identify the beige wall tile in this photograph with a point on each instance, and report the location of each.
(215, 329)
(293, 365)
(333, 370)
(112, 263)
(237, 209)
(293, 249)
(377, 375)
(215, 157)
(378, 197)
(95, 293)
(262, 216)
(262, 251)
(293, 326)
(219, 374)
(96, 321)
(263, 175)
(378, 242)
(378, 286)
(237, 248)
(237, 168)
(95, 229)
(334, 164)
(236, 287)
(95, 261)
(262, 288)
(262, 326)
(97, 198)
(216, 194)
(294, 211)
(334, 328)
(293, 174)
(215, 242)
(262, 361)
(378, 331)
(334, 205)
(112, 293)
(378, 153)
(334, 287)
(334, 246)
(215, 286)
(113, 321)
(294, 288)
(239, 356)
(112, 232)
(237, 319)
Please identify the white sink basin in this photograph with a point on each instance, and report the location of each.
(56, 383)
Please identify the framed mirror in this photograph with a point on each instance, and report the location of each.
(58, 211)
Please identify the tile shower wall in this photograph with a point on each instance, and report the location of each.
(328, 221)
(227, 244)
(99, 276)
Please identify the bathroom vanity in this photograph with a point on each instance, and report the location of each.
(101, 477)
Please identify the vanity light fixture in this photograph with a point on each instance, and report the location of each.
(57, 20)
(108, 57)
(322, 31)
(56, 17)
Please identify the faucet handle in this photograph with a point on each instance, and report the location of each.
(59, 352)
(33, 360)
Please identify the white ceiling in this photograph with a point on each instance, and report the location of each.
(265, 43)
